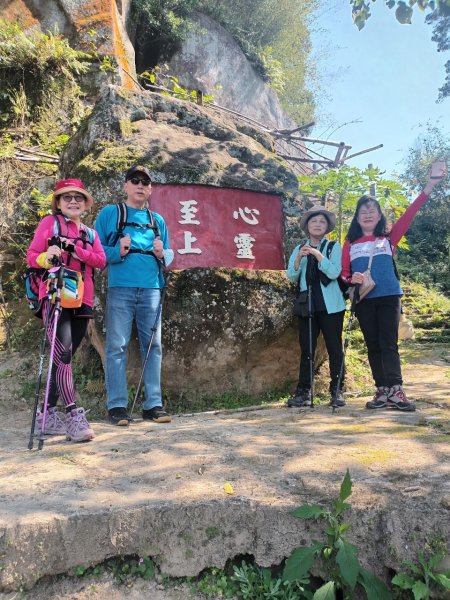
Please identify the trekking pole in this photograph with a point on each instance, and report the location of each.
(167, 277)
(56, 313)
(309, 279)
(346, 343)
(310, 346)
(37, 387)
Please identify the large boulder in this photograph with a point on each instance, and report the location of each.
(223, 330)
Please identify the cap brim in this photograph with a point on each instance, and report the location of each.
(138, 171)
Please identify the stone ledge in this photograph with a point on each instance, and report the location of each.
(158, 490)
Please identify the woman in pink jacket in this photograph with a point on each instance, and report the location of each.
(62, 236)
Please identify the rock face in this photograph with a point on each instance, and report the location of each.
(223, 330)
(210, 60)
(86, 23)
(229, 331)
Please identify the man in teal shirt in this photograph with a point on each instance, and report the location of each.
(135, 258)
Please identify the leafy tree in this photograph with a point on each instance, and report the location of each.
(438, 16)
(340, 189)
(427, 260)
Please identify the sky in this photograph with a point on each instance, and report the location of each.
(386, 77)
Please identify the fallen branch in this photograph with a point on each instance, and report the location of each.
(36, 152)
(32, 159)
(131, 77)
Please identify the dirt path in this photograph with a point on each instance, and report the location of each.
(427, 371)
(111, 492)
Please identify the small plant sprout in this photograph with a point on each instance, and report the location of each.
(339, 557)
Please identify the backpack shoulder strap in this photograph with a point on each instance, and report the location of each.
(330, 248)
(87, 235)
(153, 223)
(57, 230)
(122, 215)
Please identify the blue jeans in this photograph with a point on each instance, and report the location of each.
(123, 305)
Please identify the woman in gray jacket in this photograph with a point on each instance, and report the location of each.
(317, 264)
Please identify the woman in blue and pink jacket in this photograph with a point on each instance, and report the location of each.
(63, 236)
(379, 312)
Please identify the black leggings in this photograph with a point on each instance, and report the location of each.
(379, 319)
(69, 334)
(331, 327)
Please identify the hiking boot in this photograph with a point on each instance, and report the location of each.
(337, 399)
(78, 428)
(119, 416)
(301, 398)
(380, 400)
(54, 425)
(156, 414)
(397, 399)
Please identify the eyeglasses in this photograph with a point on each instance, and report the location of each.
(368, 213)
(138, 180)
(79, 198)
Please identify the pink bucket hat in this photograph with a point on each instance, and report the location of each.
(71, 185)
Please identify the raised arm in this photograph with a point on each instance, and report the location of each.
(438, 173)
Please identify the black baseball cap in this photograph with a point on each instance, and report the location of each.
(137, 169)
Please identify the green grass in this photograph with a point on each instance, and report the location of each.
(426, 307)
(227, 401)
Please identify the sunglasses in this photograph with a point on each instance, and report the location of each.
(79, 198)
(138, 180)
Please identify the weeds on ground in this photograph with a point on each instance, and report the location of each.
(122, 569)
(248, 582)
(426, 306)
(338, 556)
(422, 579)
(256, 583)
(212, 583)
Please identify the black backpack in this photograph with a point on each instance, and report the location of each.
(122, 222)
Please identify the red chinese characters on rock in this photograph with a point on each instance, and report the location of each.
(221, 227)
